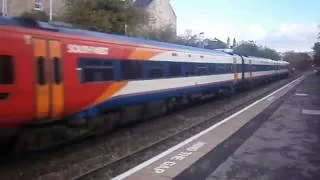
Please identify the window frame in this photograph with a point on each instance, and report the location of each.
(156, 65)
(57, 71)
(172, 70)
(38, 3)
(81, 67)
(11, 71)
(41, 70)
(202, 69)
(138, 70)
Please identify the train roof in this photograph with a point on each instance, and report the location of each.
(70, 30)
(20, 22)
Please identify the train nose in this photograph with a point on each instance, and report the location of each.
(7, 86)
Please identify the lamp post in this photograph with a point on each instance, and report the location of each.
(50, 10)
(4, 7)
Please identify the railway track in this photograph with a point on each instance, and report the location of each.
(107, 170)
(72, 163)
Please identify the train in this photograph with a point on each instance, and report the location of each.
(55, 74)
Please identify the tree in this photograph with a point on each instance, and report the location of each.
(165, 34)
(216, 44)
(228, 41)
(299, 61)
(36, 15)
(316, 56)
(234, 44)
(188, 39)
(250, 48)
(319, 32)
(111, 16)
(269, 53)
(247, 48)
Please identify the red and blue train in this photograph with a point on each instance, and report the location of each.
(51, 73)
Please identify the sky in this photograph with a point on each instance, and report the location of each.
(283, 25)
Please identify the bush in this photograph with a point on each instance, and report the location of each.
(37, 15)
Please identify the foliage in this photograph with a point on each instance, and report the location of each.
(228, 42)
(234, 43)
(165, 34)
(113, 16)
(319, 32)
(250, 48)
(299, 61)
(188, 39)
(37, 15)
(316, 56)
(216, 44)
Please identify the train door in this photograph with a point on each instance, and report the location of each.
(242, 68)
(250, 69)
(235, 70)
(49, 82)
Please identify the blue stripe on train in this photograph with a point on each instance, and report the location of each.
(149, 96)
(153, 96)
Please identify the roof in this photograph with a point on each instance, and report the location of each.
(55, 27)
(66, 29)
(142, 3)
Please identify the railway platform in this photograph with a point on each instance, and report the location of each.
(275, 137)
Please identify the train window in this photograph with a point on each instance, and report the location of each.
(41, 70)
(155, 70)
(57, 70)
(268, 68)
(212, 68)
(234, 68)
(239, 68)
(254, 68)
(202, 69)
(131, 70)
(221, 69)
(247, 68)
(230, 68)
(190, 69)
(95, 70)
(174, 69)
(6, 69)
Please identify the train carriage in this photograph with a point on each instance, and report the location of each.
(50, 73)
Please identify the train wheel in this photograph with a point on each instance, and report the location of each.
(163, 108)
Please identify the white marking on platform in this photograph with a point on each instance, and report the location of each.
(271, 98)
(175, 159)
(301, 94)
(310, 112)
(187, 141)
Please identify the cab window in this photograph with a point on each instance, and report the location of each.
(6, 69)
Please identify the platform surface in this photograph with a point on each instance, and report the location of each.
(286, 146)
(214, 154)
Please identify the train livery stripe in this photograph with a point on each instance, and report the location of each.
(57, 89)
(250, 67)
(108, 93)
(42, 89)
(143, 54)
